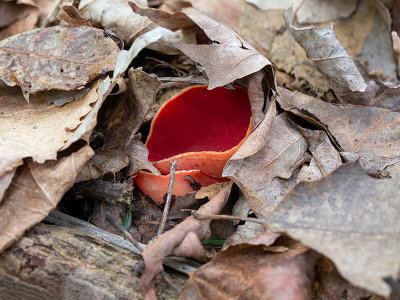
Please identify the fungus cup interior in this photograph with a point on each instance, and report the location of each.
(200, 129)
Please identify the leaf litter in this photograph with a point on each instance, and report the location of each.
(319, 170)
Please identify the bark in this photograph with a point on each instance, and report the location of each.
(53, 262)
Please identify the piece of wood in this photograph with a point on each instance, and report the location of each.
(52, 262)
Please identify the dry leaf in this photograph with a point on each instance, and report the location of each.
(35, 190)
(227, 58)
(331, 58)
(249, 272)
(370, 132)
(321, 11)
(362, 238)
(5, 181)
(270, 5)
(117, 17)
(257, 175)
(17, 17)
(59, 57)
(182, 240)
(71, 15)
(37, 129)
(121, 118)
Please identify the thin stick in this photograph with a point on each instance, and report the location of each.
(169, 197)
(199, 80)
(226, 217)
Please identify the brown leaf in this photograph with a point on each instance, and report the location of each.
(226, 58)
(37, 129)
(331, 58)
(59, 57)
(71, 15)
(364, 233)
(5, 181)
(117, 17)
(250, 272)
(370, 132)
(121, 118)
(284, 150)
(183, 240)
(35, 190)
(17, 17)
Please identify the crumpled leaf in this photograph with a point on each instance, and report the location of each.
(321, 11)
(117, 17)
(370, 132)
(120, 120)
(270, 5)
(17, 17)
(182, 240)
(37, 129)
(252, 272)
(284, 151)
(326, 158)
(36, 190)
(364, 234)
(5, 181)
(322, 46)
(58, 58)
(226, 58)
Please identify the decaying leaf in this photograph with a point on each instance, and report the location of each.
(56, 58)
(121, 118)
(270, 5)
(331, 58)
(37, 129)
(182, 240)
(5, 181)
(284, 151)
(362, 238)
(17, 17)
(117, 17)
(251, 272)
(370, 132)
(35, 190)
(227, 58)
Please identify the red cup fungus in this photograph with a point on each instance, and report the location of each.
(200, 129)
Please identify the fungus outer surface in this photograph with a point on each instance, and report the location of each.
(200, 120)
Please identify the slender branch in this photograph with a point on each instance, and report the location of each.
(172, 170)
(226, 217)
(198, 80)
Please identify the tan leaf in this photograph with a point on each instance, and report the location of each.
(17, 17)
(5, 181)
(117, 17)
(370, 132)
(37, 129)
(226, 58)
(364, 233)
(283, 151)
(331, 58)
(35, 190)
(250, 272)
(183, 240)
(59, 57)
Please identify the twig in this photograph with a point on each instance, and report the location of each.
(225, 217)
(111, 218)
(172, 170)
(197, 80)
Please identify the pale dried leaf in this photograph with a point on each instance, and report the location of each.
(117, 17)
(37, 129)
(270, 5)
(36, 190)
(364, 233)
(321, 11)
(138, 158)
(283, 152)
(226, 58)
(370, 132)
(59, 57)
(331, 58)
